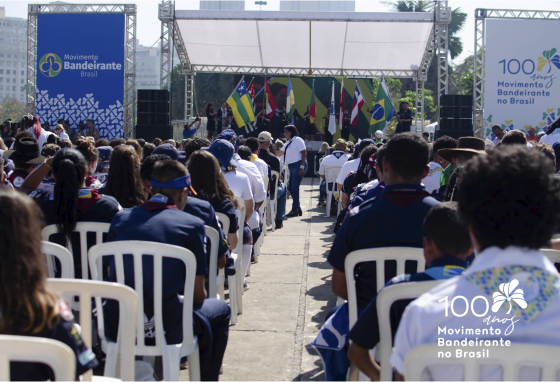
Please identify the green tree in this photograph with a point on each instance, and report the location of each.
(12, 108)
(429, 107)
(460, 75)
(213, 88)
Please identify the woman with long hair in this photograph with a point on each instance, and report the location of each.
(124, 181)
(210, 122)
(59, 130)
(209, 183)
(294, 155)
(364, 174)
(34, 126)
(28, 307)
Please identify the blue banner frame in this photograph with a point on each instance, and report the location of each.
(80, 70)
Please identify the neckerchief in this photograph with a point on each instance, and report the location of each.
(87, 197)
(158, 202)
(253, 157)
(404, 196)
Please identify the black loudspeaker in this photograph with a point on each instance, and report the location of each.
(455, 112)
(152, 107)
(454, 133)
(455, 124)
(453, 100)
(150, 132)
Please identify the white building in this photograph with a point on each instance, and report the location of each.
(147, 66)
(318, 6)
(222, 5)
(13, 57)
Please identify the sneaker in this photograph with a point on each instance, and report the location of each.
(245, 285)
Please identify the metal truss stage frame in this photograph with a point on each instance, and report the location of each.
(129, 99)
(437, 44)
(479, 51)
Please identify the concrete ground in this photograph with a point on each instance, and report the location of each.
(289, 296)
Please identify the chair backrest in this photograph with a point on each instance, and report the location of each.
(225, 222)
(385, 299)
(64, 257)
(331, 174)
(265, 181)
(82, 228)
(511, 359)
(379, 255)
(214, 238)
(552, 254)
(57, 355)
(128, 306)
(276, 177)
(241, 224)
(158, 251)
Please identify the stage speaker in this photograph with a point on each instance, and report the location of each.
(150, 132)
(455, 124)
(152, 107)
(454, 133)
(454, 100)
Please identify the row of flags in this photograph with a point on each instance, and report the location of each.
(242, 103)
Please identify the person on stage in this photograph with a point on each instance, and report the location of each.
(309, 129)
(211, 123)
(223, 118)
(404, 117)
(262, 121)
(328, 135)
(345, 132)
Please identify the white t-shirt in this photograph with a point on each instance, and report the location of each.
(63, 135)
(239, 184)
(293, 152)
(257, 187)
(262, 166)
(351, 165)
(551, 138)
(432, 180)
(424, 317)
(42, 137)
(336, 160)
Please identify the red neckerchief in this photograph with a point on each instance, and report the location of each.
(404, 197)
(159, 202)
(89, 180)
(87, 197)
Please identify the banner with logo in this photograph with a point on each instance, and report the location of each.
(522, 88)
(80, 70)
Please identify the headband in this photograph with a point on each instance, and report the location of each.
(182, 182)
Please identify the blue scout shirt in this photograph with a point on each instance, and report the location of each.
(203, 210)
(365, 332)
(159, 220)
(394, 219)
(226, 207)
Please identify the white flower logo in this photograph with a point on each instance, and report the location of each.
(508, 293)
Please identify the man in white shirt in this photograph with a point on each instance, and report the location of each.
(511, 293)
(253, 145)
(432, 181)
(499, 133)
(336, 160)
(352, 165)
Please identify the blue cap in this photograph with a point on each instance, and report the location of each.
(364, 143)
(169, 150)
(228, 135)
(223, 151)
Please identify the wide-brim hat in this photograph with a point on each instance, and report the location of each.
(223, 151)
(26, 151)
(464, 145)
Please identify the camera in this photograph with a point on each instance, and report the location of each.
(197, 118)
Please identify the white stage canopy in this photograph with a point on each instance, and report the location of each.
(352, 44)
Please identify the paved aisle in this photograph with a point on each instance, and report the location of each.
(289, 295)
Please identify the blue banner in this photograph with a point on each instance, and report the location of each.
(80, 70)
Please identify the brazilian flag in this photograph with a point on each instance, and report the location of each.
(241, 105)
(383, 109)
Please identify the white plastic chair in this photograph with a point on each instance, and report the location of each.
(317, 170)
(330, 177)
(171, 354)
(552, 254)
(238, 255)
(55, 354)
(232, 281)
(214, 277)
(263, 210)
(511, 359)
(379, 255)
(123, 350)
(64, 257)
(273, 203)
(82, 228)
(385, 299)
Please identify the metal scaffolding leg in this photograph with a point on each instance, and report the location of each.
(165, 14)
(419, 106)
(443, 18)
(479, 56)
(31, 88)
(129, 102)
(189, 95)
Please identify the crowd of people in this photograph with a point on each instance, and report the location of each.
(478, 210)
(164, 191)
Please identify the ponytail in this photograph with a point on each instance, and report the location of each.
(69, 169)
